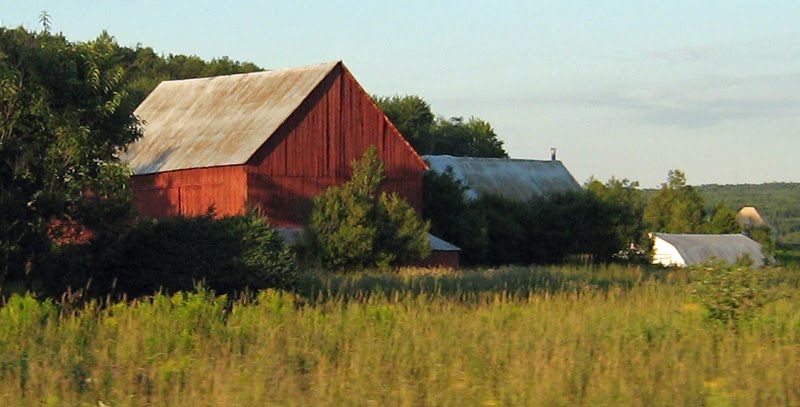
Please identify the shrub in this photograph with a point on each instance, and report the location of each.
(228, 254)
(732, 293)
(354, 226)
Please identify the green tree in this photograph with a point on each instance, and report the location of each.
(452, 218)
(766, 237)
(466, 138)
(571, 223)
(355, 225)
(624, 204)
(428, 134)
(413, 118)
(65, 115)
(723, 220)
(676, 207)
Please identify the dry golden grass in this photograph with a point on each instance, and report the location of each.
(621, 337)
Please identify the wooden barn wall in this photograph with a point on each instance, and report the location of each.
(191, 192)
(441, 259)
(316, 146)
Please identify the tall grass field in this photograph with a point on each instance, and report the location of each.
(509, 337)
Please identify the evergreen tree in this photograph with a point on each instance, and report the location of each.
(355, 225)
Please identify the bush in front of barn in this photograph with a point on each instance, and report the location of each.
(356, 226)
(226, 255)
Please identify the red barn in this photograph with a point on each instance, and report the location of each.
(272, 139)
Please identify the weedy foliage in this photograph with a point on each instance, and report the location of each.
(732, 294)
(605, 336)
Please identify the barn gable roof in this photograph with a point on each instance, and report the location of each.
(217, 121)
(699, 248)
(513, 178)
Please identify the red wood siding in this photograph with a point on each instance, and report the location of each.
(444, 259)
(191, 192)
(315, 148)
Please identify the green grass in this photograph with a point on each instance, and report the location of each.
(513, 336)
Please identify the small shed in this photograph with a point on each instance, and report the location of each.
(515, 179)
(691, 249)
(443, 254)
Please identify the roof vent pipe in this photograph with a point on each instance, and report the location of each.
(552, 153)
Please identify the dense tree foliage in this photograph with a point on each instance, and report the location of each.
(146, 69)
(355, 225)
(429, 134)
(778, 203)
(65, 111)
(598, 225)
(676, 207)
(413, 118)
(452, 217)
(64, 115)
(227, 254)
(723, 220)
(624, 203)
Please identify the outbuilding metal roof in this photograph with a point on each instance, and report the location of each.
(698, 249)
(440, 245)
(513, 178)
(295, 236)
(223, 120)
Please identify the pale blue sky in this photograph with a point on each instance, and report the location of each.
(624, 88)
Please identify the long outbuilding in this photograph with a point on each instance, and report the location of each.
(692, 249)
(515, 179)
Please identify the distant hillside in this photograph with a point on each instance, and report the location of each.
(778, 202)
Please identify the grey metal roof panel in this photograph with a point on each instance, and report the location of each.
(294, 236)
(217, 121)
(440, 245)
(513, 178)
(700, 248)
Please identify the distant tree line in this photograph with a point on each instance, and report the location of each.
(604, 222)
(778, 202)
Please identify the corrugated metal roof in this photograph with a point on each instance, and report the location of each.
(440, 245)
(698, 249)
(222, 120)
(513, 178)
